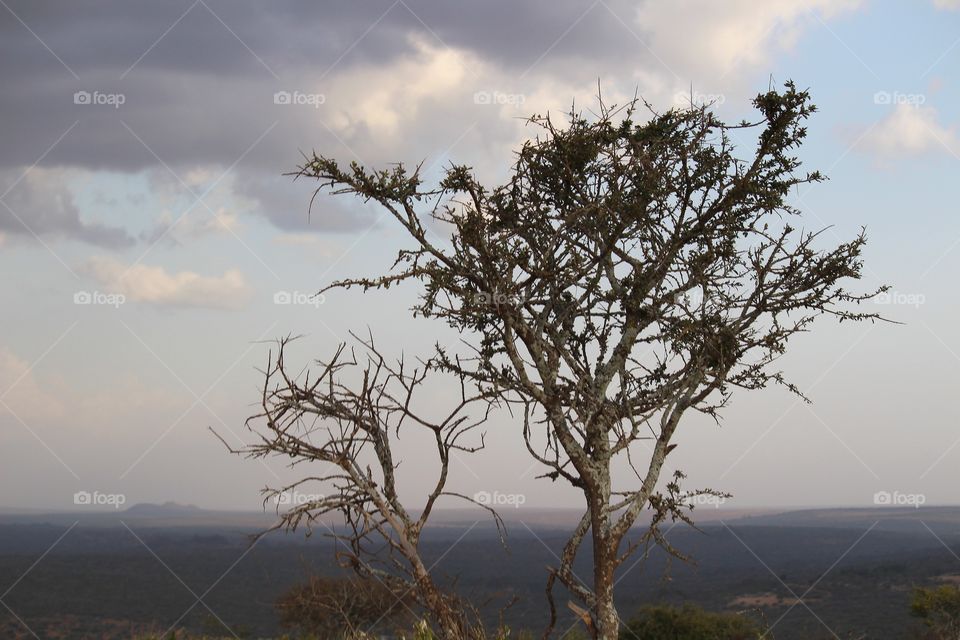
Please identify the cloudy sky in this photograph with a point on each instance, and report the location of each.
(146, 226)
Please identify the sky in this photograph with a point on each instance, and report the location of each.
(152, 246)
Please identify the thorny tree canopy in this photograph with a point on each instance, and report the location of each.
(629, 265)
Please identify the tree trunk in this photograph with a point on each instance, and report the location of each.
(606, 621)
(449, 623)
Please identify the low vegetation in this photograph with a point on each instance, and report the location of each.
(939, 608)
(690, 623)
(326, 607)
(328, 621)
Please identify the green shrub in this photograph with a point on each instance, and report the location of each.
(939, 607)
(662, 622)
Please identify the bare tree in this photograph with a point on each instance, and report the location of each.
(346, 417)
(630, 272)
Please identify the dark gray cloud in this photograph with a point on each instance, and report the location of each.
(290, 34)
(204, 93)
(41, 205)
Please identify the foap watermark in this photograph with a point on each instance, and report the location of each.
(682, 305)
(295, 498)
(299, 98)
(299, 298)
(897, 499)
(495, 299)
(691, 298)
(99, 98)
(704, 499)
(497, 499)
(499, 98)
(97, 499)
(900, 298)
(898, 97)
(100, 298)
(695, 98)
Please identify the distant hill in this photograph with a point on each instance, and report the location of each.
(167, 514)
(945, 519)
(904, 519)
(172, 514)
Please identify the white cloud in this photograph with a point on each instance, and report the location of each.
(701, 39)
(46, 401)
(21, 392)
(948, 5)
(41, 201)
(382, 98)
(194, 224)
(224, 221)
(153, 284)
(311, 245)
(910, 131)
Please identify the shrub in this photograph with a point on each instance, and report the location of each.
(939, 607)
(334, 607)
(662, 622)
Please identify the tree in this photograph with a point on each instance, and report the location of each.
(628, 273)
(346, 418)
(939, 608)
